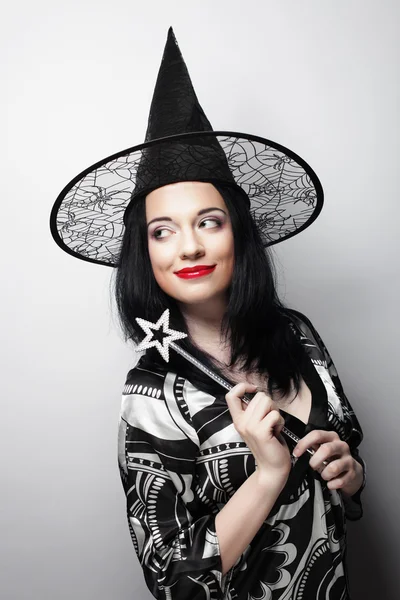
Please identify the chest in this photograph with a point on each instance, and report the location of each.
(298, 405)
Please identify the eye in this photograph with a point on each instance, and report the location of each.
(210, 223)
(161, 233)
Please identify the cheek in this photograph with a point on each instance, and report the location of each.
(161, 259)
(158, 255)
(227, 251)
(224, 252)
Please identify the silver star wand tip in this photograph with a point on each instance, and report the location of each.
(168, 341)
(169, 335)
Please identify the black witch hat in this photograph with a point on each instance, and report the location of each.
(285, 194)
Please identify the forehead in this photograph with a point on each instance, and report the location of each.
(186, 197)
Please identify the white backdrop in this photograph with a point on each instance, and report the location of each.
(320, 77)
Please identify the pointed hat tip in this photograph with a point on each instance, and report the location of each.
(171, 45)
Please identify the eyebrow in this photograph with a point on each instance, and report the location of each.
(201, 212)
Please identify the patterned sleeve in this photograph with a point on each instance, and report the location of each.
(354, 437)
(174, 539)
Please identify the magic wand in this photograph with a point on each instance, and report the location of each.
(168, 340)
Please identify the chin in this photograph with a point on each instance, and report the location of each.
(201, 299)
(195, 291)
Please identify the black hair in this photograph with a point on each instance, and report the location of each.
(256, 323)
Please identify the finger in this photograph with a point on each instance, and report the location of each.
(328, 452)
(272, 424)
(260, 406)
(235, 395)
(335, 469)
(279, 427)
(338, 482)
(282, 441)
(281, 424)
(316, 437)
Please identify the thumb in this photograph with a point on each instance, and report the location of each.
(275, 422)
(235, 395)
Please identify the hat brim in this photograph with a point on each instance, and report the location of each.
(285, 194)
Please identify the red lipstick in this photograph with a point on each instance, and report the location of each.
(197, 271)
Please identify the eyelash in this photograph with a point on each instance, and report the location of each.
(215, 220)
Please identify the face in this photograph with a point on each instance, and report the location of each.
(190, 241)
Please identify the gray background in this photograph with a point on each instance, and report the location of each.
(320, 77)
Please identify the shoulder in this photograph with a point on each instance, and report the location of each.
(140, 378)
(154, 401)
(146, 381)
(308, 336)
(303, 325)
(298, 318)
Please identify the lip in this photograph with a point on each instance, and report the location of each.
(193, 272)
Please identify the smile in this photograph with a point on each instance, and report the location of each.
(194, 272)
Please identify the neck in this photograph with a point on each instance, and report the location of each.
(204, 324)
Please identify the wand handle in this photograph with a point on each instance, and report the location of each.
(200, 366)
(226, 385)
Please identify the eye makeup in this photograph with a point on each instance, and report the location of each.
(217, 221)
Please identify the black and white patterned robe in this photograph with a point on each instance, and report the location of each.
(181, 459)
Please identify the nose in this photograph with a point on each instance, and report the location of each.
(191, 246)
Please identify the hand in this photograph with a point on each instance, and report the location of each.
(343, 471)
(260, 426)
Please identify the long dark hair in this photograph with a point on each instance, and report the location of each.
(256, 323)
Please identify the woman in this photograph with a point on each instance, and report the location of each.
(217, 507)
(197, 505)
